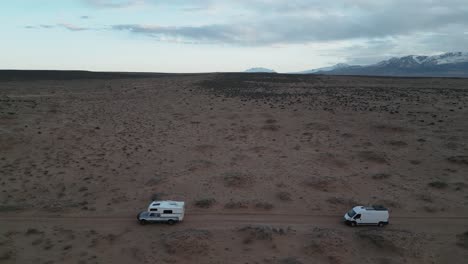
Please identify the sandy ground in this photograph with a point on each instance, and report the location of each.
(268, 164)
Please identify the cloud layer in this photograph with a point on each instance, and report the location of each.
(269, 22)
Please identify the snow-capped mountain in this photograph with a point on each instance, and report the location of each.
(260, 69)
(451, 64)
(412, 60)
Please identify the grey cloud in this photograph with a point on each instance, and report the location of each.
(72, 27)
(46, 26)
(85, 17)
(113, 3)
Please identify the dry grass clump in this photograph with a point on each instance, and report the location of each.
(205, 203)
(187, 242)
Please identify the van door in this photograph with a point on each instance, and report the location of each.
(358, 219)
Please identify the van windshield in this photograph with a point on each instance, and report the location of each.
(351, 213)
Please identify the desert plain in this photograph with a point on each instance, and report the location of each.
(267, 164)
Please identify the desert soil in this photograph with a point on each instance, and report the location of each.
(268, 164)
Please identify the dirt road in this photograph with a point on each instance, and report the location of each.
(433, 224)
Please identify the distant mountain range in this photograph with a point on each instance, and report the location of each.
(259, 69)
(450, 64)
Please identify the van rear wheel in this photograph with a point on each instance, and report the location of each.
(380, 224)
(170, 222)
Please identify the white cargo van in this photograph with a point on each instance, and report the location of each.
(163, 211)
(371, 215)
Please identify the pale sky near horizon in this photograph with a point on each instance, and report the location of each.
(209, 35)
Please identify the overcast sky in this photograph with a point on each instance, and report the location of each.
(209, 35)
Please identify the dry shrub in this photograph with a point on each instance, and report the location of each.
(462, 160)
(320, 185)
(394, 242)
(381, 176)
(341, 201)
(264, 205)
(318, 126)
(462, 240)
(284, 196)
(33, 231)
(235, 179)
(377, 239)
(289, 260)
(195, 165)
(390, 128)
(6, 255)
(430, 209)
(156, 196)
(187, 242)
(324, 241)
(271, 127)
(205, 148)
(397, 143)
(373, 156)
(438, 184)
(236, 205)
(260, 232)
(426, 198)
(205, 203)
(153, 181)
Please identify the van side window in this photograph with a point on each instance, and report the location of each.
(167, 212)
(153, 209)
(358, 216)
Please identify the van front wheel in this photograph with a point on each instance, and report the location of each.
(170, 222)
(353, 224)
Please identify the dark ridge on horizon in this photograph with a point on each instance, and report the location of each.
(63, 75)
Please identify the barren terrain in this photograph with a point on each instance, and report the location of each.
(267, 163)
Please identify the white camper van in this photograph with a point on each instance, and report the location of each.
(163, 211)
(371, 215)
